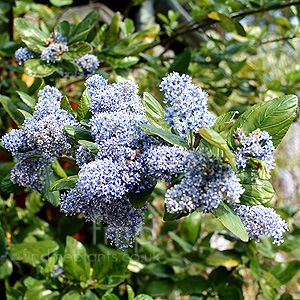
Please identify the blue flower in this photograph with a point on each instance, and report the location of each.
(23, 54)
(89, 63)
(259, 220)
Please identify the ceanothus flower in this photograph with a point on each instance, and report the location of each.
(83, 156)
(15, 140)
(258, 145)
(206, 183)
(186, 104)
(23, 54)
(89, 63)
(259, 220)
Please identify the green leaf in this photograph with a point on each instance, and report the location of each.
(83, 106)
(254, 267)
(127, 62)
(149, 247)
(60, 3)
(26, 114)
(57, 168)
(225, 121)
(110, 270)
(143, 297)
(223, 258)
(2, 242)
(12, 110)
(6, 269)
(64, 28)
(154, 112)
(161, 270)
(30, 101)
(92, 147)
(284, 272)
(73, 294)
(193, 285)
(52, 197)
(64, 183)
(33, 202)
(32, 252)
(158, 287)
(181, 62)
(8, 186)
(274, 116)
(76, 261)
(130, 292)
(257, 191)
(138, 200)
(65, 104)
(32, 36)
(167, 136)
(261, 168)
(70, 66)
(185, 246)
(226, 215)
(77, 50)
(171, 217)
(82, 30)
(38, 68)
(78, 133)
(40, 290)
(218, 141)
(219, 17)
(112, 34)
(191, 227)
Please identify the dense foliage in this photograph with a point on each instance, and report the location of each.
(140, 163)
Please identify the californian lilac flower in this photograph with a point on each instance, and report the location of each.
(259, 220)
(186, 104)
(32, 173)
(163, 162)
(57, 45)
(116, 97)
(23, 54)
(83, 156)
(119, 127)
(58, 271)
(89, 63)
(15, 140)
(96, 84)
(257, 145)
(207, 182)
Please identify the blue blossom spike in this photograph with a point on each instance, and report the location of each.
(206, 183)
(258, 145)
(23, 54)
(15, 141)
(259, 220)
(186, 104)
(89, 63)
(83, 156)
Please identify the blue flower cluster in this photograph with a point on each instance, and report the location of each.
(206, 183)
(258, 145)
(23, 54)
(259, 220)
(41, 139)
(186, 104)
(58, 271)
(57, 45)
(89, 63)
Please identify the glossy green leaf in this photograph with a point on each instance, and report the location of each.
(76, 261)
(12, 110)
(185, 246)
(261, 167)
(8, 186)
(83, 106)
(167, 136)
(65, 104)
(38, 68)
(32, 252)
(78, 133)
(284, 272)
(158, 287)
(28, 100)
(60, 3)
(70, 66)
(127, 62)
(218, 141)
(31, 35)
(92, 147)
(154, 112)
(226, 215)
(181, 62)
(225, 121)
(110, 270)
(64, 183)
(191, 227)
(33, 202)
(130, 292)
(6, 269)
(193, 285)
(257, 191)
(149, 247)
(26, 114)
(40, 290)
(274, 116)
(161, 270)
(223, 258)
(64, 28)
(57, 168)
(77, 50)
(72, 295)
(112, 34)
(52, 197)
(171, 217)
(138, 200)
(143, 297)
(81, 32)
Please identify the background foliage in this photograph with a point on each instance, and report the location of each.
(240, 52)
